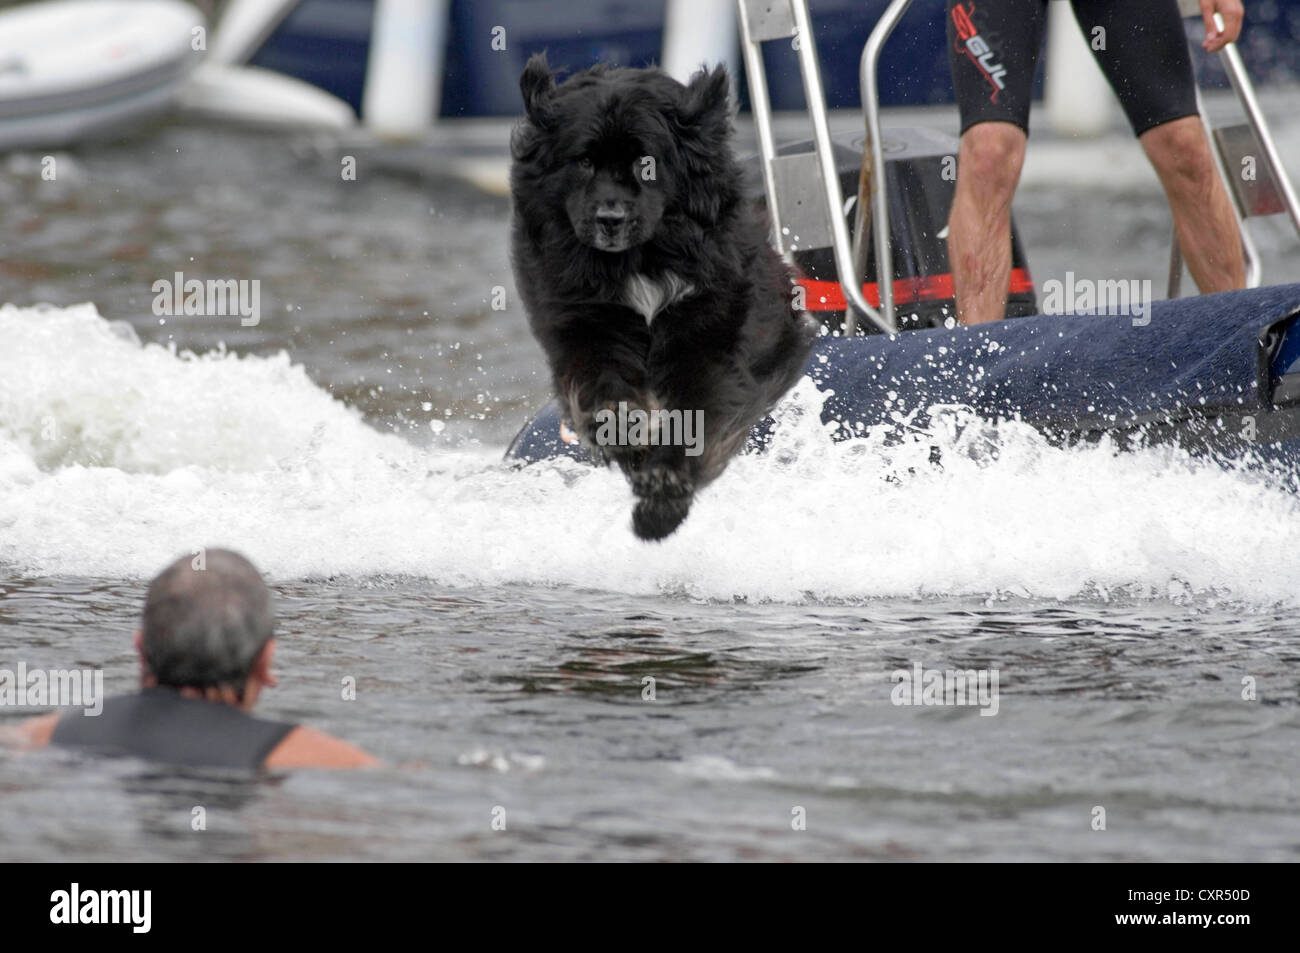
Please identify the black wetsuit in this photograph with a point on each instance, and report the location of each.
(159, 725)
(993, 50)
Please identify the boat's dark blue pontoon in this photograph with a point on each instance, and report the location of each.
(1217, 372)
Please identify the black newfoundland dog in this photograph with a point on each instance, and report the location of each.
(650, 283)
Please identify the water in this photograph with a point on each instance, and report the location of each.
(500, 624)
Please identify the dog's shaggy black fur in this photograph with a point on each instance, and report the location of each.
(647, 278)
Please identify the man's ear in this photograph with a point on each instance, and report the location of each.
(262, 665)
(708, 98)
(146, 677)
(536, 83)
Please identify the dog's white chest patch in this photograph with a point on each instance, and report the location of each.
(648, 296)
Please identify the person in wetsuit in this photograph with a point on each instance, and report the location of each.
(993, 52)
(205, 647)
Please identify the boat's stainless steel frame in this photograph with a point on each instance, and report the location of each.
(872, 212)
(874, 173)
(812, 84)
(1245, 91)
(761, 108)
(1175, 284)
(764, 12)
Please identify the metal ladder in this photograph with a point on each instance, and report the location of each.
(1270, 192)
(803, 190)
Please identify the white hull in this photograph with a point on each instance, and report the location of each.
(76, 69)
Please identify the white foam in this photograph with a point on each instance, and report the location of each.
(114, 458)
(710, 767)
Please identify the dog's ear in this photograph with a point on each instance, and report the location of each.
(705, 115)
(708, 98)
(537, 83)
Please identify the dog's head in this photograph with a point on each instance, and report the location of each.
(617, 152)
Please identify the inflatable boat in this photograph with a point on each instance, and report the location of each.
(76, 69)
(1215, 374)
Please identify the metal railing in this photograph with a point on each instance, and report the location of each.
(788, 176)
(1276, 186)
(873, 181)
(808, 178)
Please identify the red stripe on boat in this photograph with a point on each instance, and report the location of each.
(829, 296)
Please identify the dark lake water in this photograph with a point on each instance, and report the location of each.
(501, 625)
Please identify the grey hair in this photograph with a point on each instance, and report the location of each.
(205, 627)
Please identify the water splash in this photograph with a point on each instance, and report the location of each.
(116, 457)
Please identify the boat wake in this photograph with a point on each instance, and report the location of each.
(115, 457)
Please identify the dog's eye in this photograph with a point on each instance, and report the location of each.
(584, 164)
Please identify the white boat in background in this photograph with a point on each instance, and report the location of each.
(72, 70)
(77, 69)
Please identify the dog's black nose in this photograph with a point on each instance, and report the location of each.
(610, 218)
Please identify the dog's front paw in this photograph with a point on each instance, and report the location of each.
(664, 496)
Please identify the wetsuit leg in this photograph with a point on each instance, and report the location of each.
(993, 50)
(1142, 49)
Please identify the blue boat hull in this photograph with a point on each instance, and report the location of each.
(1217, 373)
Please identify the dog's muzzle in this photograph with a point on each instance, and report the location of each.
(611, 229)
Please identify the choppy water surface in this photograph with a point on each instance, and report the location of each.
(501, 624)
